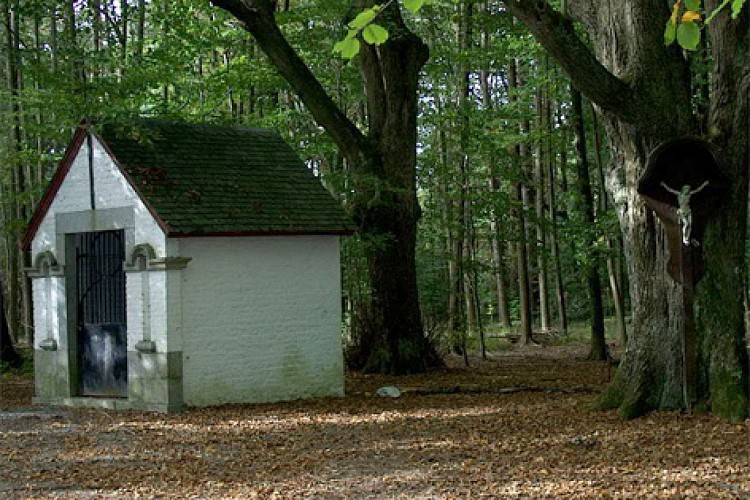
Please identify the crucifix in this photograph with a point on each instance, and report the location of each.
(684, 213)
(667, 187)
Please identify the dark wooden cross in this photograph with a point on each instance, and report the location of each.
(683, 184)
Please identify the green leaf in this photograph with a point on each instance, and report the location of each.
(737, 8)
(691, 16)
(363, 19)
(693, 5)
(414, 5)
(348, 47)
(670, 32)
(375, 34)
(688, 35)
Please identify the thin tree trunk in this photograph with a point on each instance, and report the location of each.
(458, 257)
(140, 31)
(596, 311)
(24, 179)
(614, 269)
(125, 32)
(54, 40)
(453, 251)
(496, 244)
(524, 290)
(96, 28)
(17, 174)
(456, 261)
(75, 56)
(541, 218)
(522, 256)
(37, 180)
(470, 293)
(555, 247)
(477, 305)
(464, 34)
(8, 354)
(499, 273)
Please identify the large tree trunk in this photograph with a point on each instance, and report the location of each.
(724, 366)
(383, 164)
(643, 90)
(386, 208)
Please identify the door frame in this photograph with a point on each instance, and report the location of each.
(84, 244)
(67, 225)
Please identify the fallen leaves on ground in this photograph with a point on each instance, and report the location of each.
(450, 435)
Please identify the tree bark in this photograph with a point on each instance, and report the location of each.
(541, 218)
(140, 31)
(498, 259)
(614, 244)
(470, 292)
(17, 212)
(522, 265)
(554, 241)
(383, 164)
(8, 354)
(724, 374)
(586, 208)
(643, 89)
(497, 244)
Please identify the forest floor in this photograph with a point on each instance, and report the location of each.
(452, 434)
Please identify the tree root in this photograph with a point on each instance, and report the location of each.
(458, 389)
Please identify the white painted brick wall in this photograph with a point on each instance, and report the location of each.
(261, 319)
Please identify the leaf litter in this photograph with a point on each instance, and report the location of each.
(453, 433)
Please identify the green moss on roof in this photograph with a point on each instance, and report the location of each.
(211, 179)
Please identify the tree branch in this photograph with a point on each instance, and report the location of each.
(257, 17)
(375, 93)
(583, 11)
(557, 34)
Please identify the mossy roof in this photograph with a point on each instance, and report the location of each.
(222, 180)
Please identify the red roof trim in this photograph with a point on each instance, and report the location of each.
(162, 224)
(54, 186)
(62, 172)
(276, 232)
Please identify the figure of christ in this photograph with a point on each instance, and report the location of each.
(684, 213)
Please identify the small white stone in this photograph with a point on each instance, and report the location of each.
(388, 391)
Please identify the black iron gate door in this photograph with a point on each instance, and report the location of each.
(101, 314)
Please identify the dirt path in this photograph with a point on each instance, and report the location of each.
(539, 442)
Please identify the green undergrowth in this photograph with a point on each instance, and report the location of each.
(25, 370)
(500, 339)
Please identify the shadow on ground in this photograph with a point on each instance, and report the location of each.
(539, 440)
